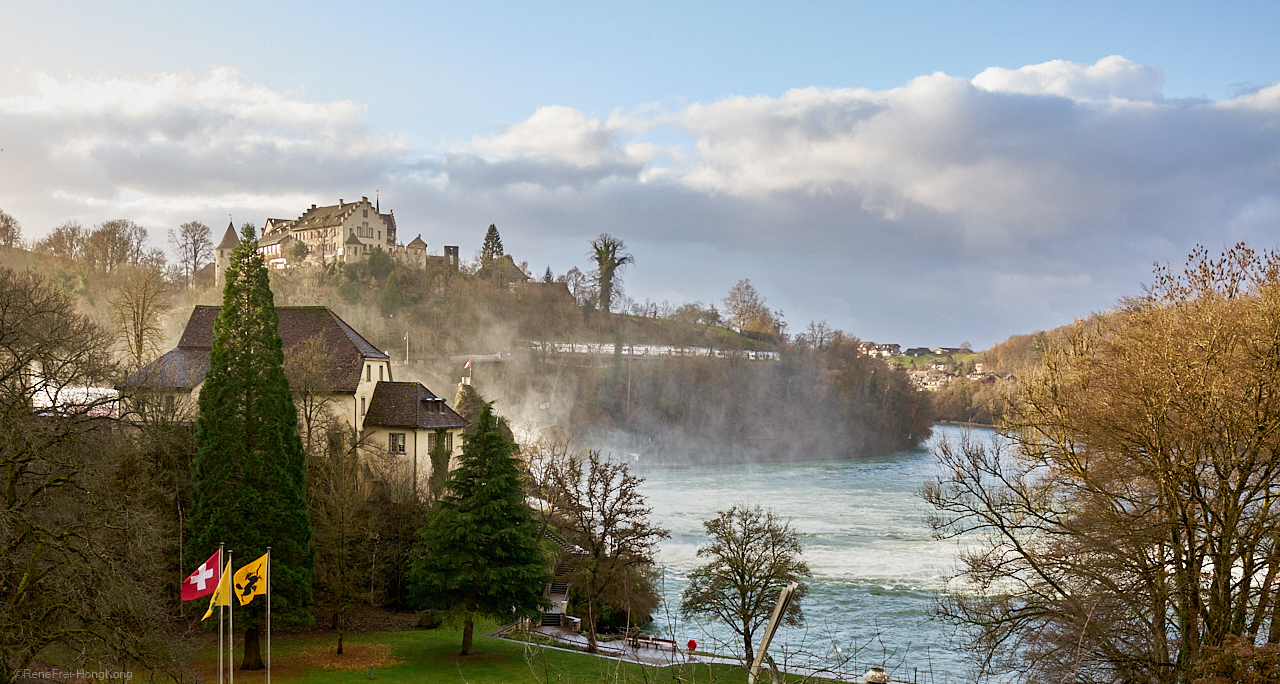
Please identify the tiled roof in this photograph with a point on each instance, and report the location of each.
(417, 243)
(273, 239)
(180, 369)
(229, 239)
(352, 240)
(410, 405)
(186, 365)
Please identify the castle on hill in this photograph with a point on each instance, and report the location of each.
(346, 232)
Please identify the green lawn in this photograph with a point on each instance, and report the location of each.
(432, 656)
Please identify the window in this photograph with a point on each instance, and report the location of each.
(362, 406)
(395, 442)
(368, 372)
(366, 215)
(379, 373)
(433, 440)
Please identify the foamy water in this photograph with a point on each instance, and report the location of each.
(876, 568)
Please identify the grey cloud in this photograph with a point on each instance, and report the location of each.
(939, 211)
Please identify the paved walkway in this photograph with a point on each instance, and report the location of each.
(660, 657)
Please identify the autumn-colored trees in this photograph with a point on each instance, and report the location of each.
(1128, 530)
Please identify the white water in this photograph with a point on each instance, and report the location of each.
(876, 568)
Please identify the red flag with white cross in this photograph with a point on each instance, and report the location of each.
(204, 580)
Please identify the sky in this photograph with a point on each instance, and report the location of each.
(925, 173)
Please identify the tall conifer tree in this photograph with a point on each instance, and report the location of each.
(480, 551)
(492, 247)
(249, 478)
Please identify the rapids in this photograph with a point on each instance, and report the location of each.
(876, 568)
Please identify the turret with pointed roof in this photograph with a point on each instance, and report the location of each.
(222, 254)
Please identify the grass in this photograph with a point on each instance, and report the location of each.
(432, 656)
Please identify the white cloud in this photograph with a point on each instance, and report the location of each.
(1065, 179)
(1111, 77)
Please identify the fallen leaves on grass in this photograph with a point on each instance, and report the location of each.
(354, 657)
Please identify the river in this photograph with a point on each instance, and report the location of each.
(876, 569)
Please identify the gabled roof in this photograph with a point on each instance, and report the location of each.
(230, 239)
(273, 239)
(504, 267)
(410, 405)
(186, 365)
(417, 243)
(352, 240)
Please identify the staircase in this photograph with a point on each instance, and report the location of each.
(568, 562)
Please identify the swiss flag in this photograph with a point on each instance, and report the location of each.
(203, 581)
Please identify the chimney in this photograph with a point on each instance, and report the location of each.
(339, 202)
(313, 206)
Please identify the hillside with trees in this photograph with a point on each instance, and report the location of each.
(819, 399)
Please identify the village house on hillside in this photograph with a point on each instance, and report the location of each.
(400, 418)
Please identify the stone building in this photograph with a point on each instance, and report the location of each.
(346, 232)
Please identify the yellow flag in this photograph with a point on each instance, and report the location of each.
(251, 580)
(221, 597)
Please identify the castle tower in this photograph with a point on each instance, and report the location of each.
(222, 255)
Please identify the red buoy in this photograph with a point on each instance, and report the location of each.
(693, 645)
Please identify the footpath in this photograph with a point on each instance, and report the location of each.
(657, 656)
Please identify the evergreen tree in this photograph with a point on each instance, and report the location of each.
(249, 477)
(492, 247)
(479, 551)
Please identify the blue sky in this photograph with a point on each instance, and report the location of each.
(913, 172)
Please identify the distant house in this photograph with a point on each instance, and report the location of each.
(275, 249)
(504, 271)
(943, 351)
(359, 387)
(919, 351)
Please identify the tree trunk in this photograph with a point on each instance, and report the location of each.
(252, 651)
(746, 643)
(592, 646)
(467, 626)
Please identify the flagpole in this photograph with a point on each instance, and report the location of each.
(231, 628)
(221, 569)
(269, 609)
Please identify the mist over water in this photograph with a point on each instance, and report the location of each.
(876, 568)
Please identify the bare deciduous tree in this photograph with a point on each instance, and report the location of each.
(1129, 531)
(600, 505)
(309, 366)
(747, 312)
(113, 244)
(79, 547)
(10, 231)
(192, 242)
(138, 302)
(67, 241)
(751, 557)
